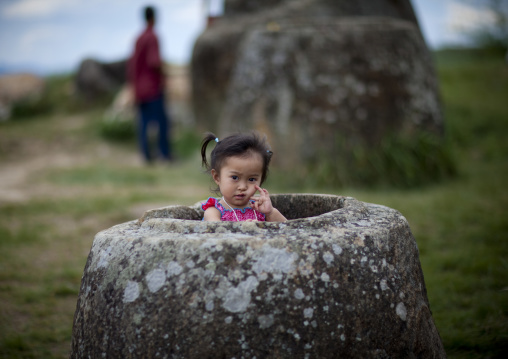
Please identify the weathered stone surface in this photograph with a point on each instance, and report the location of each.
(314, 86)
(341, 278)
(217, 49)
(400, 9)
(321, 78)
(95, 78)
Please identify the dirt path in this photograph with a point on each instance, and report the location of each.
(27, 158)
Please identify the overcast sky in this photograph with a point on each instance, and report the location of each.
(55, 35)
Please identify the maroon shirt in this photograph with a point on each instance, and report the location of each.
(145, 67)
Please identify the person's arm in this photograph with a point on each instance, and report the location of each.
(131, 66)
(263, 204)
(212, 214)
(153, 57)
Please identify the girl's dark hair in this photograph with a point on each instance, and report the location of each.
(236, 145)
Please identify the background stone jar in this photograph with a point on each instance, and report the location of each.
(341, 278)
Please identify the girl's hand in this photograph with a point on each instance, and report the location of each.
(262, 203)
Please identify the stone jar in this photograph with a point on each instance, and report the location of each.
(340, 278)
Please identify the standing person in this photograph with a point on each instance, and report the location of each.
(239, 166)
(146, 75)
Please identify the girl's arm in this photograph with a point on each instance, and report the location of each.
(212, 214)
(275, 216)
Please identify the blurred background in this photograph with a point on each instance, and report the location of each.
(55, 36)
(70, 166)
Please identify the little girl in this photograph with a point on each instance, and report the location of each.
(239, 166)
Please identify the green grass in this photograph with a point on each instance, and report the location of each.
(459, 223)
(398, 161)
(58, 97)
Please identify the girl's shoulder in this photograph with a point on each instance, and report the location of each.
(212, 203)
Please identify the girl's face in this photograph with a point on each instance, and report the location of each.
(238, 177)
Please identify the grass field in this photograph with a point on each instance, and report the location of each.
(61, 183)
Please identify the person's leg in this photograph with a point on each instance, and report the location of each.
(164, 122)
(144, 120)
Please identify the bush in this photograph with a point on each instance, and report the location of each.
(122, 128)
(186, 142)
(58, 96)
(117, 128)
(397, 162)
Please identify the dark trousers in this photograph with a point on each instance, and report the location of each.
(153, 112)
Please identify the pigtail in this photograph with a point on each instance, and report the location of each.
(208, 138)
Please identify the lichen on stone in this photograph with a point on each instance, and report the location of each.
(345, 279)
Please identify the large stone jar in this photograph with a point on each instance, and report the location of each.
(341, 278)
(325, 80)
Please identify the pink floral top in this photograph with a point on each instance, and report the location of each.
(229, 215)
